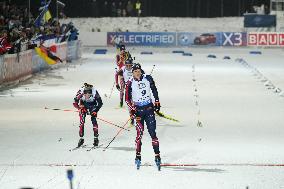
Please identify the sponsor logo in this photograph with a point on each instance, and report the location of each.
(141, 85)
(184, 39)
(266, 39)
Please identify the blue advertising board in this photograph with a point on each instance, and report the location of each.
(258, 20)
(143, 38)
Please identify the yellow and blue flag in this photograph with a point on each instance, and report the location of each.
(44, 14)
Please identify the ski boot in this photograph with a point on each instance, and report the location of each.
(96, 141)
(138, 161)
(158, 161)
(80, 143)
(132, 123)
(121, 103)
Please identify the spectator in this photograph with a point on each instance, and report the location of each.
(124, 14)
(105, 9)
(119, 9)
(95, 9)
(20, 34)
(129, 8)
(62, 15)
(4, 44)
(2, 21)
(138, 8)
(259, 9)
(266, 10)
(113, 9)
(73, 34)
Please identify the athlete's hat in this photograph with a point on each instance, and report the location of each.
(88, 88)
(122, 47)
(136, 66)
(129, 61)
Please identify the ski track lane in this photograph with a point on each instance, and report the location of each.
(231, 150)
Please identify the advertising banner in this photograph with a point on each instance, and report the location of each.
(193, 39)
(271, 39)
(234, 39)
(258, 20)
(199, 39)
(143, 38)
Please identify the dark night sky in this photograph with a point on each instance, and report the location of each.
(165, 8)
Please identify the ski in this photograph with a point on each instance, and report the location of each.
(160, 114)
(77, 147)
(94, 147)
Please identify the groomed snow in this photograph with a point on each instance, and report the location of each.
(242, 125)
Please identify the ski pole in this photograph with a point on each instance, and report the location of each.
(111, 90)
(66, 110)
(116, 135)
(112, 86)
(152, 69)
(112, 124)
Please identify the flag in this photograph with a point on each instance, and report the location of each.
(47, 54)
(42, 14)
(47, 16)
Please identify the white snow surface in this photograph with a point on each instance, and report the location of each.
(242, 125)
(158, 24)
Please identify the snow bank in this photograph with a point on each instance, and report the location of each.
(154, 24)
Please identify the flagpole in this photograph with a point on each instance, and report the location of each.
(29, 2)
(57, 12)
(45, 14)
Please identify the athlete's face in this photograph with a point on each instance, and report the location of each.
(87, 95)
(128, 67)
(137, 74)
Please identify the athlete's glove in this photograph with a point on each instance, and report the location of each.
(133, 113)
(94, 114)
(83, 110)
(118, 87)
(75, 104)
(78, 106)
(157, 106)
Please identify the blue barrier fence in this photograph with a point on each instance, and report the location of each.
(100, 51)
